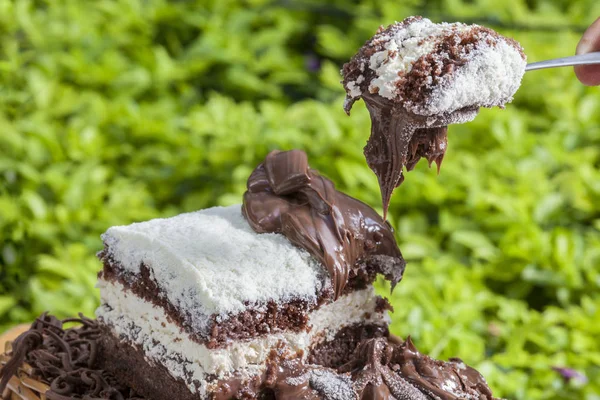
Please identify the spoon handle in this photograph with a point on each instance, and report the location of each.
(582, 59)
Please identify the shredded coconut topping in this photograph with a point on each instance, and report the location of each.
(212, 262)
(402, 49)
(436, 68)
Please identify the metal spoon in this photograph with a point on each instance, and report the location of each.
(582, 59)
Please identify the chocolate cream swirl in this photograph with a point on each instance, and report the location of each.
(384, 370)
(286, 196)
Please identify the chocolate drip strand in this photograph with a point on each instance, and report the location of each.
(399, 139)
(64, 358)
(430, 143)
(286, 196)
(387, 149)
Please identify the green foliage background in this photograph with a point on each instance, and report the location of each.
(116, 111)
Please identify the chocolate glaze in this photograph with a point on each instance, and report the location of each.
(373, 377)
(434, 376)
(285, 196)
(381, 369)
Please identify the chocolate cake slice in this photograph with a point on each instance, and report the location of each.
(434, 69)
(269, 300)
(204, 298)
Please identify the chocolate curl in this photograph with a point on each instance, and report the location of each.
(23, 344)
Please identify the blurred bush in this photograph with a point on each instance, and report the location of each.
(116, 111)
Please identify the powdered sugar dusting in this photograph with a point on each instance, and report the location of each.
(212, 262)
(450, 386)
(402, 389)
(354, 89)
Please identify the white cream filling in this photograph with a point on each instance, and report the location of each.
(164, 343)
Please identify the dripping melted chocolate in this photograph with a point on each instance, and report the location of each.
(400, 139)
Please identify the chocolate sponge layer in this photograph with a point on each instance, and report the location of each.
(129, 366)
(255, 321)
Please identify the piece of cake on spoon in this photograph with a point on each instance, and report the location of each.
(417, 77)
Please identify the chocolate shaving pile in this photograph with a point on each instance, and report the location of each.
(64, 358)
